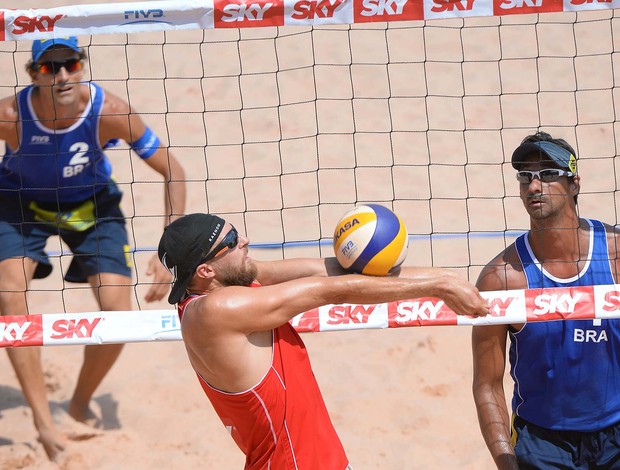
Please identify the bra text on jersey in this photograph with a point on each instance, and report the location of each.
(589, 336)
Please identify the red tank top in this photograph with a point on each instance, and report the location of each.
(282, 423)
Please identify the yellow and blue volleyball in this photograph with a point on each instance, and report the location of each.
(370, 239)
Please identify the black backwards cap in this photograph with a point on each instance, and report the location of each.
(184, 243)
(558, 154)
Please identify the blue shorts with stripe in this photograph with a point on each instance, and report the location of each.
(94, 230)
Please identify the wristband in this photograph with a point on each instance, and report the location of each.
(146, 145)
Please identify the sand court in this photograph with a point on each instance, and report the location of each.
(283, 130)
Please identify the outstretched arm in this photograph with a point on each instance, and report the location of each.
(276, 272)
(247, 310)
(457, 293)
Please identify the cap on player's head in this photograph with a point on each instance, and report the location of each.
(184, 243)
(40, 46)
(555, 151)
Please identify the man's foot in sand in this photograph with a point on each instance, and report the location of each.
(85, 415)
(53, 442)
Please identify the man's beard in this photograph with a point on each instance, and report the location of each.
(239, 276)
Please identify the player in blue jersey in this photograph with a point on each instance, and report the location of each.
(55, 179)
(566, 397)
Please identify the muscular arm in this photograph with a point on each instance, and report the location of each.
(489, 361)
(613, 243)
(456, 292)
(275, 272)
(9, 118)
(247, 310)
(118, 120)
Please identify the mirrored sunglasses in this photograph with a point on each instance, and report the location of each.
(548, 175)
(54, 66)
(229, 242)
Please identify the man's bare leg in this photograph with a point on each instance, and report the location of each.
(15, 274)
(113, 292)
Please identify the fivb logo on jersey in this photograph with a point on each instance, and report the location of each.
(40, 139)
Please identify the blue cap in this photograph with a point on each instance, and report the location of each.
(561, 156)
(41, 45)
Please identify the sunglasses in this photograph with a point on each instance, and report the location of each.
(229, 242)
(54, 66)
(548, 175)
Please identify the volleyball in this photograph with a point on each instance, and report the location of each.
(370, 239)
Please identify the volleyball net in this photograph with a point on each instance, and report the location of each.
(285, 115)
(507, 307)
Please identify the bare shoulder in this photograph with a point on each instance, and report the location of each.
(613, 238)
(613, 246)
(113, 105)
(197, 313)
(214, 313)
(9, 117)
(503, 272)
(118, 121)
(8, 111)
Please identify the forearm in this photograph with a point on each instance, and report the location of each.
(415, 283)
(431, 282)
(275, 272)
(494, 422)
(174, 191)
(285, 300)
(456, 292)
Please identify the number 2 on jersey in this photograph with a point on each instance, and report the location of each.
(78, 162)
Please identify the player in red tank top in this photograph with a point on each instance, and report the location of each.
(251, 363)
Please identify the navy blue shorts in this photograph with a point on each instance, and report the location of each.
(540, 448)
(94, 230)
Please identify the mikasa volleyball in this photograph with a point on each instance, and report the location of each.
(370, 239)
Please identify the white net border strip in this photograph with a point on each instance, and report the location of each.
(508, 307)
(133, 17)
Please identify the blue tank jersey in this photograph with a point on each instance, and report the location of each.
(63, 165)
(567, 373)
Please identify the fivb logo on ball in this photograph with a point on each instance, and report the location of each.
(370, 239)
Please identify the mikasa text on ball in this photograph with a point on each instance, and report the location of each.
(370, 239)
